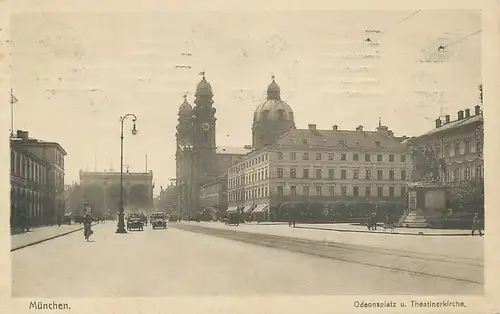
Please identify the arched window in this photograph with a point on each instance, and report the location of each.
(280, 114)
(12, 162)
(18, 165)
(26, 168)
(32, 172)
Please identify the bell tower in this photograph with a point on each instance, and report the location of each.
(204, 132)
(184, 157)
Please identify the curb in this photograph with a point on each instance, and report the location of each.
(46, 239)
(398, 233)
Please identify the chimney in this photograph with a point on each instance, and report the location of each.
(477, 110)
(467, 112)
(460, 115)
(359, 128)
(438, 123)
(447, 118)
(312, 127)
(335, 127)
(22, 135)
(390, 133)
(248, 146)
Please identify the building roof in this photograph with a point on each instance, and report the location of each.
(340, 139)
(14, 146)
(35, 142)
(227, 150)
(455, 124)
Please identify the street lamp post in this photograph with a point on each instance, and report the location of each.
(121, 214)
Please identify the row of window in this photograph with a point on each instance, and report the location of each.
(343, 174)
(320, 190)
(23, 167)
(344, 191)
(254, 193)
(460, 147)
(259, 175)
(466, 173)
(249, 163)
(343, 156)
(59, 159)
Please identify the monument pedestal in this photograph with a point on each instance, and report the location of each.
(426, 202)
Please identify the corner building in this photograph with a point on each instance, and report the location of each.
(305, 166)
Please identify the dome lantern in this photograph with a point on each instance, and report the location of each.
(273, 91)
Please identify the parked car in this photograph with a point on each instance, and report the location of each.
(134, 222)
(159, 220)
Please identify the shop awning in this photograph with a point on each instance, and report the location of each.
(233, 209)
(260, 208)
(247, 209)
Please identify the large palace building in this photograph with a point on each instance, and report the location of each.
(290, 165)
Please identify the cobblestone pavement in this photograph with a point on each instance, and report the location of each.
(172, 262)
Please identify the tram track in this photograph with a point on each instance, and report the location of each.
(436, 265)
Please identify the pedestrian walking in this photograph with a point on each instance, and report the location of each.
(476, 221)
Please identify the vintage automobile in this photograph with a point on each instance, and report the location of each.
(134, 222)
(159, 220)
(144, 219)
(233, 219)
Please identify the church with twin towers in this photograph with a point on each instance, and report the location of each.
(201, 165)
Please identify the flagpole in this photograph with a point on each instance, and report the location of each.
(12, 101)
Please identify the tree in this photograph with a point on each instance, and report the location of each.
(468, 196)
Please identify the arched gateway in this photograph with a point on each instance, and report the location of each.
(102, 189)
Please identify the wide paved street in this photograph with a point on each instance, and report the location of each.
(176, 262)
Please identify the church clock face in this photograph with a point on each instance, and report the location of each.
(206, 126)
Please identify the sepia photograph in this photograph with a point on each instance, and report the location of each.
(232, 153)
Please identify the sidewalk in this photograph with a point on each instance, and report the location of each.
(459, 246)
(346, 227)
(40, 234)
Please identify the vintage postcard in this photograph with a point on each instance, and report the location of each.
(267, 159)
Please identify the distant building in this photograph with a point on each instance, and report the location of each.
(102, 189)
(213, 196)
(316, 166)
(37, 180)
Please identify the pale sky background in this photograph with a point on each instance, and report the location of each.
(75, 74)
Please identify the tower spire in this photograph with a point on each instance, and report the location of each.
(379, 121)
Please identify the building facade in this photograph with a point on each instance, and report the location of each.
(213, 197)
(37, 180)
(459, 144)
(199, 162)
(319, 166)
(29, 187)
(456, 146)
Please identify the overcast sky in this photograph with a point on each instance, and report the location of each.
(75, 74)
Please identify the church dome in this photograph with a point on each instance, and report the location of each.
(204, 87)
(273, 109)
(185, 108)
